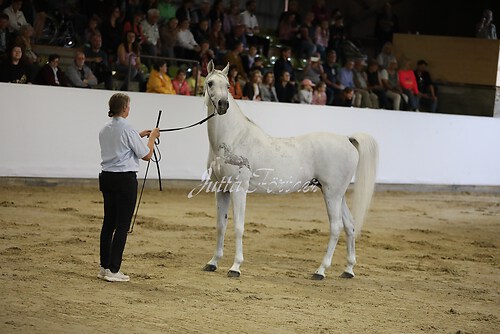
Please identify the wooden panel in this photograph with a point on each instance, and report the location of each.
(453, 59)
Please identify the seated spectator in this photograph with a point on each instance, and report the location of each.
(252, 88)
(287, 30)
(248, 58)
(233, 57)
(293, 8)
(30, 58)
(368, 98)
(97, 59)
(386, 25)
(306, 91)
(201, 31)
(91, 29)
(258, 64)
(283, 63)
(237, 36)
(196, 82)
(112, 33)
(201, 13)
(180, 85)
(184, 11)
(217, 41)
(50, 74)
(285, 90)
(5, 35)
(409, 85)
(346, 80)
(338, 36)
(252, 29)
(205, 56)
(306, 37)
(344, 99)
(167, 10)
(151, 44)
(217, 12)
(375, 84)
(168, 37)
(314, 70)
(320, 11)
(234, 83)
(322, 37)
(231, 18)
(427, 96)
(159, 81)
(79, 74)
(135, 25)
(186, 44)
(16, 16)
(329, 76)
(386, 55)
(267, 89)
(128, 62)
(485, 28)
(390, 81)
(11, 70)
(319, 94)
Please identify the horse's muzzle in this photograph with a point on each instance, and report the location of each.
(222, 106)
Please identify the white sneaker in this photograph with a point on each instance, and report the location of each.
(115, 277)
(102, 273)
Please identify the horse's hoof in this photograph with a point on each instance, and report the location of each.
(345, 274)
(232, 273)
(318, 277)
(209, 267)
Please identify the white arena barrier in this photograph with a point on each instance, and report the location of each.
(53, 132)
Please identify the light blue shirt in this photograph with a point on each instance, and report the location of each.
(121, 146)
(346, 78)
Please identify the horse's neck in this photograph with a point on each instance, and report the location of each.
(228, 127)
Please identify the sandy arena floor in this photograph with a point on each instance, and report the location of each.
(427, 263)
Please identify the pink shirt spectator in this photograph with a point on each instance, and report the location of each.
(407, 80)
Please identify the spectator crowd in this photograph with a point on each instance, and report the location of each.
(166, 46)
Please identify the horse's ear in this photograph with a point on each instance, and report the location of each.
(226, 70)
(210, 66)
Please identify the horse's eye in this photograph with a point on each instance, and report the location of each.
(210, 83)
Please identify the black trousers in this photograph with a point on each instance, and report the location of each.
(119, 191)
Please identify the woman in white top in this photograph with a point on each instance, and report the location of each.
(121, 150)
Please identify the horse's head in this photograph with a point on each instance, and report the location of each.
(217, 88)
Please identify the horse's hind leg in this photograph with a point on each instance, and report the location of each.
(348, 221)
(223, 199)
(333, 206)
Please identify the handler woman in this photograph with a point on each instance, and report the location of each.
(121, 149)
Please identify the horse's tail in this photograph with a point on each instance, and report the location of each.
(365, 177)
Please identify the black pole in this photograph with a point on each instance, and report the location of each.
(154, 152)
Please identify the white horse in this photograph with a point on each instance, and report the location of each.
(242, 158)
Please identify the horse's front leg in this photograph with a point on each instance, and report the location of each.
(333, 206)
(222, 199)
(239, 199)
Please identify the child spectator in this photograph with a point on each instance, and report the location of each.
(180, 85)
(306, 91)
(319, 94)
